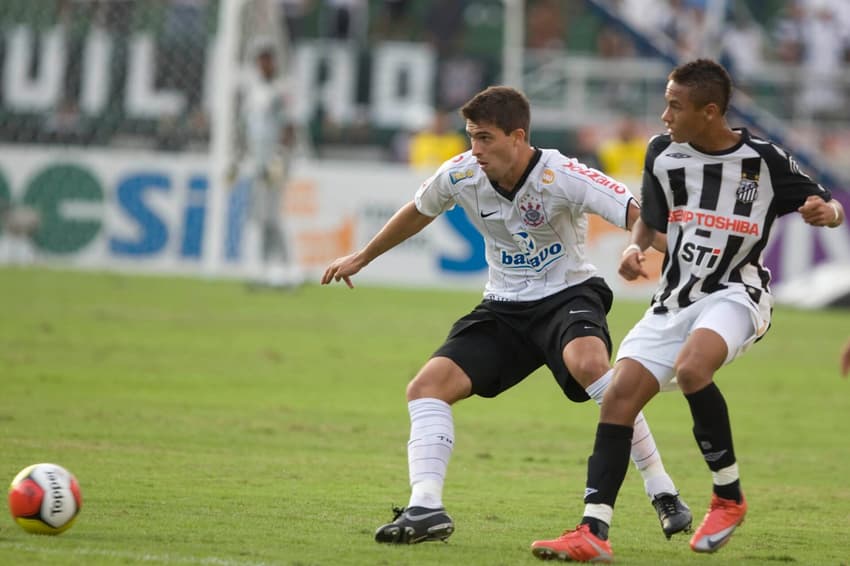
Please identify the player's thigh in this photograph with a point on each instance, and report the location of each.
(492, 355)
(576, 342)
(440, 378)
(732, 322)
(654, 342)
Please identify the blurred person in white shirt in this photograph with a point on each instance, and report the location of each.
(268, 138)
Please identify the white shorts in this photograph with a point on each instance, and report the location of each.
(656, 340)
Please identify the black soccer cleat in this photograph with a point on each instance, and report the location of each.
(674, 515)
(416, 524)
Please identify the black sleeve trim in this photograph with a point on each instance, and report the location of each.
(654, 209)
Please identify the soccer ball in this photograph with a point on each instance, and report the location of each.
(45, 499)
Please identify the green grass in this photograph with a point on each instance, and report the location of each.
(208, 424)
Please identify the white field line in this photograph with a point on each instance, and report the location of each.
(140, 557)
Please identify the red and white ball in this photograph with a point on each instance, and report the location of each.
(45, 499)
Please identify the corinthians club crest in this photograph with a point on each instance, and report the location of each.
(532, 210)
(748, 189)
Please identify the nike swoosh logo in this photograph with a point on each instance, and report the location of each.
(483, 215)
(718, 539)
(579, 312)
(423, 515)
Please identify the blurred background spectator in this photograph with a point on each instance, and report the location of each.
(441, 141)
(587, 64)
(742, 44)
(546, 26)
(622, 156)
(294, 13)
(824, 50)
(345, 19)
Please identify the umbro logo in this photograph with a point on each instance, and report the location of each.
(486, 214)
(714, 456)
(588, 491)
(677, 155)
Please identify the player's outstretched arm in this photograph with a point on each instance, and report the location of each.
(817, 212)
(631, 264)
(406, 222)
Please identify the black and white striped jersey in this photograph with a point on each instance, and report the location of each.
(717, 210)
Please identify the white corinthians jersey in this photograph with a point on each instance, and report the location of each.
(717, 211)
(534, 235)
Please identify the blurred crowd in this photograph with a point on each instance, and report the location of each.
(786, 54)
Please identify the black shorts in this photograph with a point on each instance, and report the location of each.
(500, 343)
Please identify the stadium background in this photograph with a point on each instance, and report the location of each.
(211, 423)
(118, 120)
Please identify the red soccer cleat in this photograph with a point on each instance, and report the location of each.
(579, 545)
(723, 517)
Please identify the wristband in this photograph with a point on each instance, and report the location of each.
(835, 211)
(631, 248)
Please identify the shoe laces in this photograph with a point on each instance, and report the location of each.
(397, 512)
(666, 504)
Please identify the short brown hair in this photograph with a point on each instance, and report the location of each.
(504, 107)
(708, 80)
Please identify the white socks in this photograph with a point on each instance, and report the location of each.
(432, 434)
(432, 441)
(644, 452)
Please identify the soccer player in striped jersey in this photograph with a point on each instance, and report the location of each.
(716, 192)
(543, 303)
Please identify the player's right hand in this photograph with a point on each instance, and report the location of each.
(343, 268)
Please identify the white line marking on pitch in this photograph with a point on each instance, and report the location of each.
(211, 560)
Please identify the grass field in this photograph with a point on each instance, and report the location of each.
(209, 424)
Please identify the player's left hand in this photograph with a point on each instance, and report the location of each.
(631, 265)
(817, 212)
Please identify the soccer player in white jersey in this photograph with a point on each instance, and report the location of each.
(715, 192)
(264, 161)
(543, 302)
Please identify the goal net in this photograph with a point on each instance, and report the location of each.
(107, 108)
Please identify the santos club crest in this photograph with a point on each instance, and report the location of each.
(532, 210)
(748, 189)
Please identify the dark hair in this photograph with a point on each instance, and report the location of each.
(708, 80)
(504, 107)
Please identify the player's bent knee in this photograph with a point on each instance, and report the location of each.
(588, 370)
(586, 359)
(692, 376)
